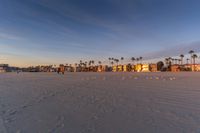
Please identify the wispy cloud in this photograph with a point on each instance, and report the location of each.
(174, 51)
(9, 36)
(2, 58)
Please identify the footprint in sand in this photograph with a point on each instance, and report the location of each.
(12, 112)
(123, 78)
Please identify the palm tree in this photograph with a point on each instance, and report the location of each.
(173, 60)
(112, 63)
(179, 61)
(122, 58)
(137, 59)
(187, 60)
(191, 52)
(99, 62)
(141, 59)
(90, 62)
(133, 59)
(117, 61)
(194, 56)
(176, 61)
(85, 63)
(167, 61)
(93, 62)
(182, 56)
(109, 59)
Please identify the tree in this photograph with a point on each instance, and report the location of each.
(176, 61)
(117, 61)
(112, 63)
(173, 60)
(141, 59)
(182, 56)
(122, 58)
(93, 62)
(99, 62)
(109, 59)
(160, 65)
(180, 62)
(137, 59)
(194, 56)
(191, 52)
(133, 59)
(187, 60)
(166, 61)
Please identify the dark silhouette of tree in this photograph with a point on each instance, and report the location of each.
(133, 59)
(182, 56)
(187, 60)
(112, 63)
(122, 58)
(191, 52)
(176, 61)
(109, 59)
(167, 61)
(137, 59)
(117, 61)
(173, 60)
(179, 61)
(194, 56)
(160, 65)
(99, 62)
(140, 58)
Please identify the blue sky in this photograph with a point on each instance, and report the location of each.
(66, 31)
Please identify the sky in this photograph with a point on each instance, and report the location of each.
(37, 32)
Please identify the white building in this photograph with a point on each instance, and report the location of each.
(3, 67)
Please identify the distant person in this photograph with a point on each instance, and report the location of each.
(61, 70)
(58, 71)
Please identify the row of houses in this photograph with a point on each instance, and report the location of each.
(116, 68)
(104, 68)
(135, 68)
(7, 68)
(186, 67)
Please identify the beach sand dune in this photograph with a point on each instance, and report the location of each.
(100, 103)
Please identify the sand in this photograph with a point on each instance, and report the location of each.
(100, 103)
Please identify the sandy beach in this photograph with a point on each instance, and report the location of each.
(100, 103)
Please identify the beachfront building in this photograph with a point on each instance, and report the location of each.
(153, 67)
(4, 68)
(125, 68)
(197, 67)
(138, 68)
(175, 68)
(120, 68)
(102, 68)
(192, 67)
(145, 68)
(114, 68)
